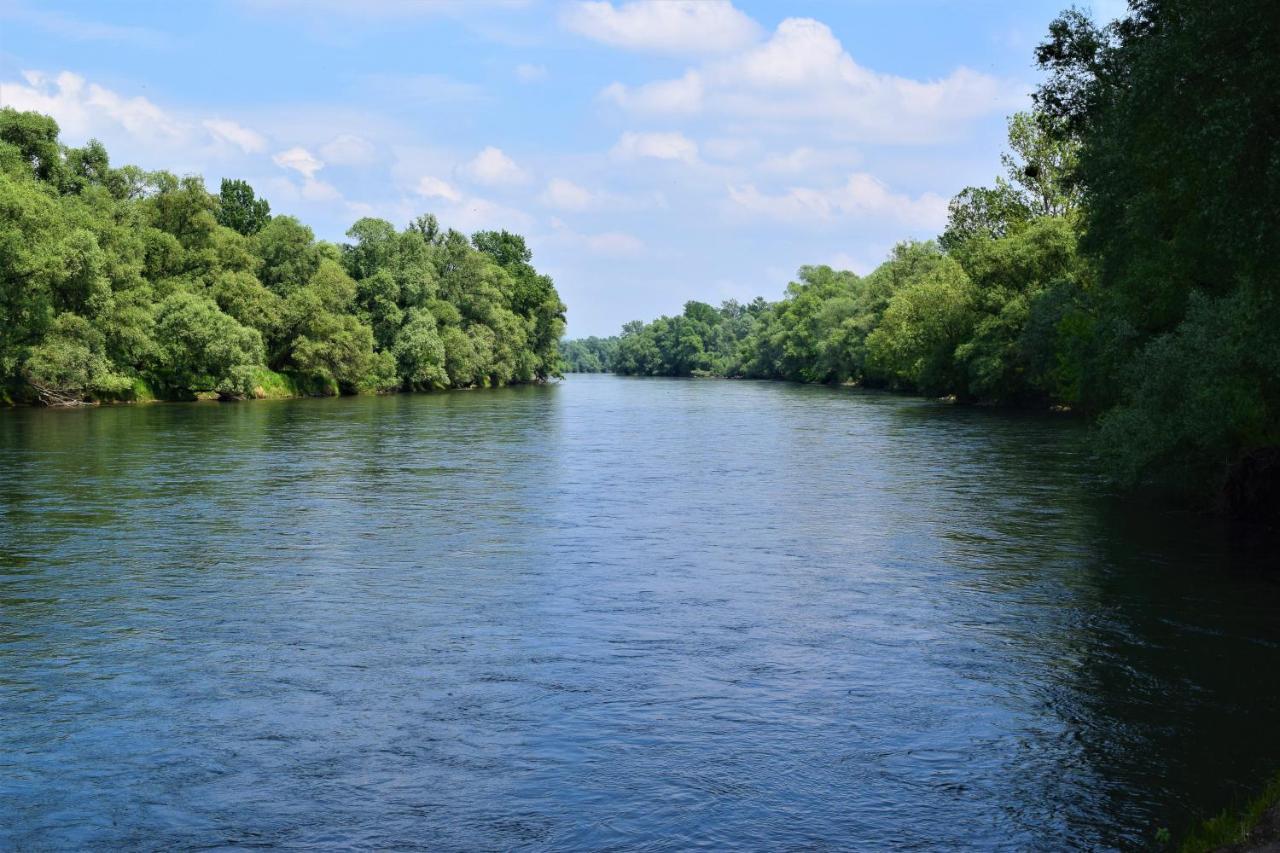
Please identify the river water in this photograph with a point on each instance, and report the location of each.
(611, 613)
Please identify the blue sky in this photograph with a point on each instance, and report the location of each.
(650, 152)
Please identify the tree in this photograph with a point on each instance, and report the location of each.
(240, 210)
(419, 351)
(289, 255)
(1175, 107)
(925, 322)
(202, 349)
(34, 138)
(71, 363)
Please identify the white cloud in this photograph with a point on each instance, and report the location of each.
(614, 243)
(730, 147)
(317, 190)
(802, 74)
(83, 108)
(302, 161)
(664, 26)
(527, 73)
(475, 213)
(682, 96)
(660, 146)
(567, 195)
(864, 262)
(348, 150)
(862, 196)
(609, 243)
(299, 160)
(494, 168)
(435, 188)
(242, 137)
(135, 129)
(808, 160)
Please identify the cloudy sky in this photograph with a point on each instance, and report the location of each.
(650, 152)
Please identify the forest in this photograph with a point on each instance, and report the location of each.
(120, 284)
(1122, 267)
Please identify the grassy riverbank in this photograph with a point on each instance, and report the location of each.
(266, 385)
(1253, 826)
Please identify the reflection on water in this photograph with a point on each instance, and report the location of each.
(613, 612)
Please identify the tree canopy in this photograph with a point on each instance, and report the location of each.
(119, 281)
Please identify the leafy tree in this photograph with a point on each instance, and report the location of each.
(240, 210)
(932, 315)
(114, 277)
(589, 355)
(419, 351)
(289, 255)
(202, 349)
(34, 138)
(1174, 107)
(71, 363)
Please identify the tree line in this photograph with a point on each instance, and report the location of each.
(1124, 265)
(120, 284)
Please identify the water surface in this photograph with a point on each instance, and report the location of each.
(652, 614)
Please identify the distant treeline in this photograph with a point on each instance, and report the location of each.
(117, 283)
(1124, 266)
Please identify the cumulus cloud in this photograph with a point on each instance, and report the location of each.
(84, 108)
(682, 96)
(659, 146)
(494, 168)
(802, 74)
(135, 129)
(862, 196)
(306, 164)
(664, 26)
(235, 134)
(430, 187)
(299, 160)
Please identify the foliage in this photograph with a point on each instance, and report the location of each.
(199, 348)
(589, 355)
(114, 280)
(1123, 265)
(1236, 826)
(239, 210)
(1175, 108)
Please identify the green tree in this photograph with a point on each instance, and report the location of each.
(71, 363)
(240, 210)
(202, 349)
(289, 255)
(1174, 108)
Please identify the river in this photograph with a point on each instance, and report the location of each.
(612, 612)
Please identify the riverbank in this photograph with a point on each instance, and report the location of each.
(1253, 828)
(267, 385)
